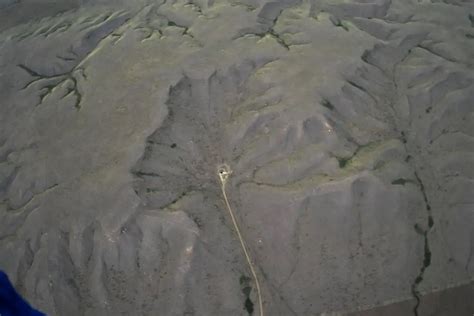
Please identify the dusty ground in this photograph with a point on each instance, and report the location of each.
(348, 125)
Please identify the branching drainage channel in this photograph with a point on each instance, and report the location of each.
(427, 251)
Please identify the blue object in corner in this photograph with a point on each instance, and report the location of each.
(11, 303)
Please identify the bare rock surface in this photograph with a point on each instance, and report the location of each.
(348, 126)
